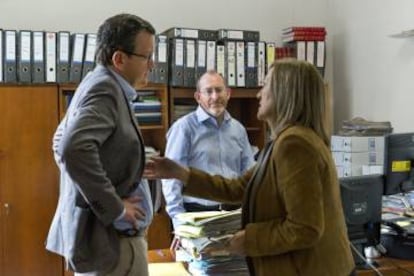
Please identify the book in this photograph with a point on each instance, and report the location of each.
(291, 38)
(306, 33)
(303, 28)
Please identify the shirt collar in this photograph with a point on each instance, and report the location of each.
(202, 115)
(129, 91)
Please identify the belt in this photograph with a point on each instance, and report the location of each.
(195, 207)
(130, 232)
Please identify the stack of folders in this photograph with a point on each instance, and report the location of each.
(358, 155)
(238, 55)
(203, 237)
(308, 43)
(45, 57)
(147, 108)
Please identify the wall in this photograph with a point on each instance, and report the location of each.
(267, 16)
(373, 74)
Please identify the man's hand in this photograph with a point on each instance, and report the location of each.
(133, 212)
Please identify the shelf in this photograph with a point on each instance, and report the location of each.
(150, 127)
(252, 129)
(403, 34)
(236, 92)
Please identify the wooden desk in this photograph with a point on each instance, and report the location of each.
(391, 267)
(387, 266)
(160, 256)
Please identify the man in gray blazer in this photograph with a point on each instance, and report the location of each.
(104, 206)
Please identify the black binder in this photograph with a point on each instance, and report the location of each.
(76, 60)
(89, 56)
(178, 32)
(251, 64)
(38, 57)
(189, 63)
(63, 55)
(201, 59)
(176, 70)
(24, 56)
(245, 35)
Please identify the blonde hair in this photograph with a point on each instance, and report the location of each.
(298, 92)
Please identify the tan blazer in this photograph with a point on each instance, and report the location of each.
(296, 224)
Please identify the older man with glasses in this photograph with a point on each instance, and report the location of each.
(209, 139)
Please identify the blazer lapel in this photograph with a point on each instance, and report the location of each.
(254, 182)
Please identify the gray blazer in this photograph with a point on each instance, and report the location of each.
(100, 153)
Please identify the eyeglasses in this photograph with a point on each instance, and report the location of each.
(210, 90)
(148, 58)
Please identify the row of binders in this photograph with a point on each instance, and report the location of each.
(40, 57)
(182, 55)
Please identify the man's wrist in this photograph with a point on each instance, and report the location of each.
(121, 216)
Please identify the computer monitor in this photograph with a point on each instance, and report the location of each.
(362, 201)
(398, 163)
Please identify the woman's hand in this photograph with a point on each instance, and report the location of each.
(162, 167)
(236, 244)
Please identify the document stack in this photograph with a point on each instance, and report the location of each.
(355, 156)
(203, 237)
(308, 42)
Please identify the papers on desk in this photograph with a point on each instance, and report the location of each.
(167, 269)
(203, 238)
(210, 223)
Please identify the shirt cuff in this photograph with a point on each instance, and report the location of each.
(121, 216)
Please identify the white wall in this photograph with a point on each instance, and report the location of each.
(267, 16)
(373, 74)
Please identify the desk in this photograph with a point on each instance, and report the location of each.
(160, 256)
(391, 267)
(161, 263)
(387, 266)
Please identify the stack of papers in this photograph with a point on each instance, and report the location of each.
(204, 237)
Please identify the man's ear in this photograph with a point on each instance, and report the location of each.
(228, 90)
(197, 96)
(118, 59)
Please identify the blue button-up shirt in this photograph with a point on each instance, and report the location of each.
(142, 190)
(196, 140)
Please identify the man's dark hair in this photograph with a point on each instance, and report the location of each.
(118, 33)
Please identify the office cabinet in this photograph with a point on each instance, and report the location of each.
(243, 106)
(28, 179)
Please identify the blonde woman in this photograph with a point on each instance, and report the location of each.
(293, 223)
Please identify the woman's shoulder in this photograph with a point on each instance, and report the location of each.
(300, 137)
